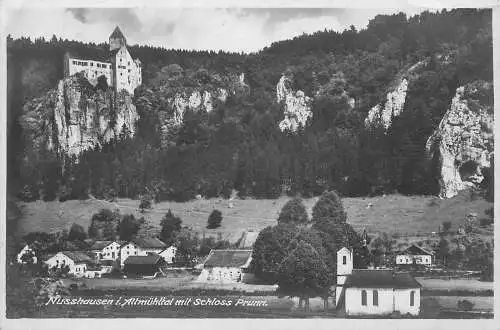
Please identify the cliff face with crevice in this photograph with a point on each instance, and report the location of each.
(463, 141)
(76, 117)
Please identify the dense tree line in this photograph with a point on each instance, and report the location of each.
(239, 146)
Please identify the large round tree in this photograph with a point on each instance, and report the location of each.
(304, 274)
(293, 212)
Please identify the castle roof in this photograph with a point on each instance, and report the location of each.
(117, 33)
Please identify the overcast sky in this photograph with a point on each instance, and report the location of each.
(237, 29)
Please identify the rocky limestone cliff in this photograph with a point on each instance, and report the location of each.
(297, 106)
(76, 117)
(383, 114)
(463, 141)
(196, 100)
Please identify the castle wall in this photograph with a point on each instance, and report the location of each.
(128, 72)
(91, 69)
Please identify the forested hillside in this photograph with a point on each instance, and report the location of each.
(238, 143)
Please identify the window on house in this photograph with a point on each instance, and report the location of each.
(363, 298)
(412, 298)
(375, 298)
(344, 260)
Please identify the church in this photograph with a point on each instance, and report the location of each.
(120, 69)
(370, 292)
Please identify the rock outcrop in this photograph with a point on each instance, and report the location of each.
(463, 141)
(395, 101)
(196, 100)
(383, 114)
(77, 117)
(297, 106)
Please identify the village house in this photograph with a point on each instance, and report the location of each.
(415, 255)
(119, 68)
(77, 262)
(168, 254)
(24, 255)
(374, 291)
(141, 247)
(107, 250)
(227, 266)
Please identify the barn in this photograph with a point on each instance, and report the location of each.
(227, 266)
(143, 265)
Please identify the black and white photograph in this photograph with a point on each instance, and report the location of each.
(249, 163)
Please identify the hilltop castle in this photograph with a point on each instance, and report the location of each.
(120, 70)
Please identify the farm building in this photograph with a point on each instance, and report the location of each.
(77, 262)
(169, 254)
(227, 266)
(106, 250)
(374, 292)
(143, 265)
(140, 247)
(24, 255)
(415, 255)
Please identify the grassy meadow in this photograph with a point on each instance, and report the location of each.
(405, 215)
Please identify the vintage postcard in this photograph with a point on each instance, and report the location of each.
(249, 162)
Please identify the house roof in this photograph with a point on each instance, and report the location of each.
(228, 258)
(380, 278)
(99, 245)
(149, 242)
(117, 33)
(415, 249)
(77, 257)
(248, 239)
(75, 246)
(150, 259)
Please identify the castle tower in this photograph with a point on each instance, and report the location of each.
(117, 39)
(344, 269)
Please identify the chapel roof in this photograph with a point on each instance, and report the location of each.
(380, 278)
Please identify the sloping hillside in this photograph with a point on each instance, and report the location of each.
(392, 213)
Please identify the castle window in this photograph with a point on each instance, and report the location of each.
(363, 298)
(344, 260)
(375, 298)
(91, 64)
(74, 62)
(412, 298)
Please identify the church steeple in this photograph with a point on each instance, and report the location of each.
(117, 39)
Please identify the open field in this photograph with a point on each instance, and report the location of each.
(480, 303)
(407, 215)
(167, 284)
(455, 284)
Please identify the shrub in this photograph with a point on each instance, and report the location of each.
(446, 226)
(465, 305)
(214, 220)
